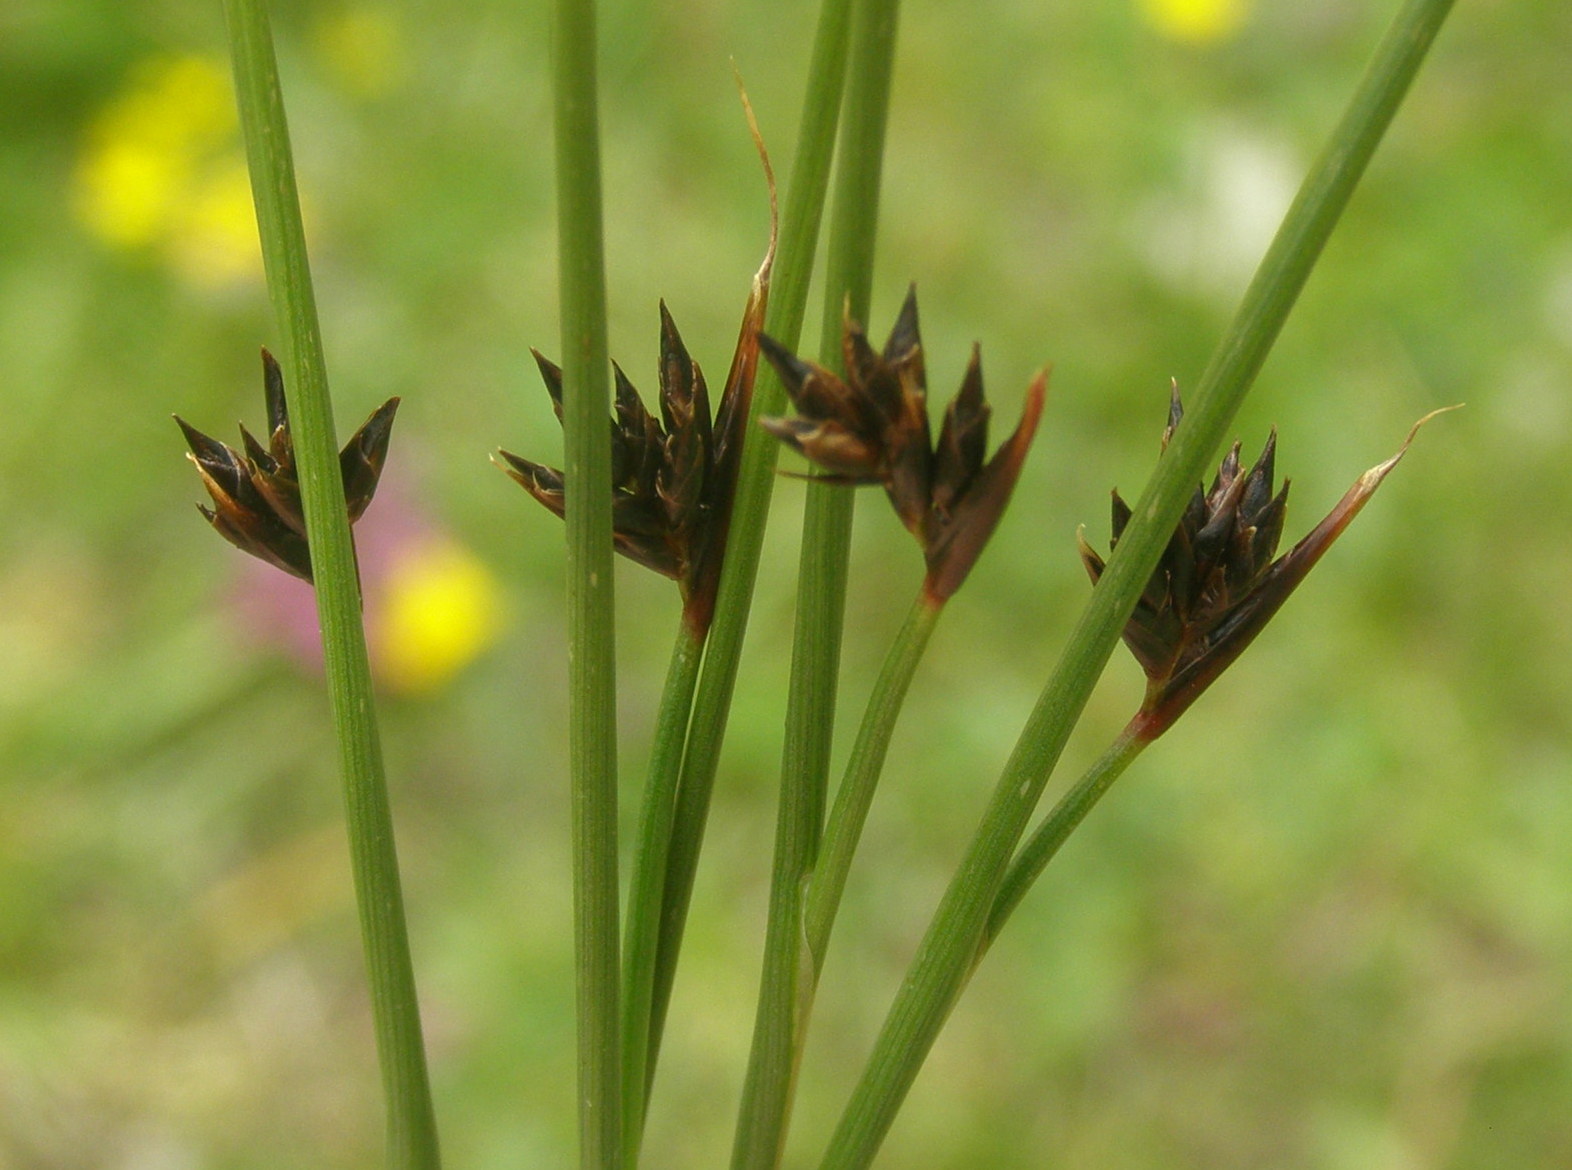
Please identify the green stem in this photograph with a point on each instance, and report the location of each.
(1056, 828)
(785, 990)
(783, 321)
(411, 1121)
(810, 714)
(649, 872)
(946, 953)
(592, 682)
(802, 911)
(863, 769)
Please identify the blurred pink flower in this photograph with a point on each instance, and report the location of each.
(431, 605)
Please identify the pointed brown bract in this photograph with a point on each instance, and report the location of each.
(241, 513)
(360, 462)
(730, 424)
(673, 477)
(873, 428)
(688, 451)
(255, 491)
(540, 481)
(1216, 585)
(958, 531)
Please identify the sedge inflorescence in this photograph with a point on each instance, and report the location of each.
(1217, 583)
(255, 490)
(871, 427)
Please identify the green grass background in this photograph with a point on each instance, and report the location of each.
(1325, 924)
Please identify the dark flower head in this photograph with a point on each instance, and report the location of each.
(658, 467)
(672, 476)
(255, 491)
(1217, 584)
(872, 427)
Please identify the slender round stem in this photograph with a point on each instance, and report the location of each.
(411, 1121)
(863, 768)
(800, 218)
(642, 933)
(810, 716)
(1056, 828)
(794, 957)
(784, 992)
(592, 679)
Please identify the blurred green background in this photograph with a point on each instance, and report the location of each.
(1326, 923)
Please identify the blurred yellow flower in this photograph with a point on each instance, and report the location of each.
(215, 241)
(161, 169)
(439, 608)
(1196, 22)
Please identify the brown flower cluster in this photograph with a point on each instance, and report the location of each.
(872, 428)
(1217, 584)
(672, 477)
(256, 492)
